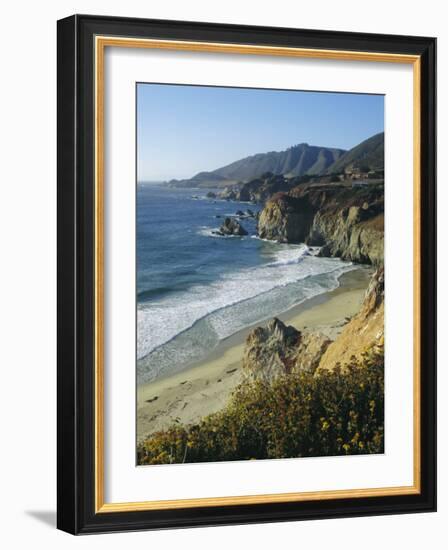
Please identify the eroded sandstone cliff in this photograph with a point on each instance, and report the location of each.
(364, 331)
(277, 349)
(347, 222)
(286, 219)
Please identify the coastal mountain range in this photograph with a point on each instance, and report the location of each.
(298, 160)
(368, 154)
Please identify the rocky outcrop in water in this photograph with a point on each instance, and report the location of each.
(347, 222)
(231, 226)
(278, 349)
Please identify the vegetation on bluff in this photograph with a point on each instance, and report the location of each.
(338, 412)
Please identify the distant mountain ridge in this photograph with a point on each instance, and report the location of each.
(368, 154)
(295, 161)
(298, 160)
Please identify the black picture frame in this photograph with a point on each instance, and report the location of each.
(76, 254)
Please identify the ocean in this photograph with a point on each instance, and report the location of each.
(195, 288)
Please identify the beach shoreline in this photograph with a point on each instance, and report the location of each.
(204, 388)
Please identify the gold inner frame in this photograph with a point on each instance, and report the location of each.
(101, 42)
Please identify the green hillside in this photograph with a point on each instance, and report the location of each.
(368, 155)
(298, 160)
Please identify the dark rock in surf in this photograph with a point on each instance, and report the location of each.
(232, 227)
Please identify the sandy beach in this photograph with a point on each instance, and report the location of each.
(203, 389)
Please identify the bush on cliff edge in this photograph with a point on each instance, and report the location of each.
(339, 412)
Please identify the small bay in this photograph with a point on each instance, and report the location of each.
(196, 288)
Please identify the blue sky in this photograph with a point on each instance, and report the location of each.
(183, 130)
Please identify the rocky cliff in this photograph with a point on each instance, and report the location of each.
(231, 226)
(363, 332)
(278, 349)
(286, 219)
(347, 222)
(259, 189)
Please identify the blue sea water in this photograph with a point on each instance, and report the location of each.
(195, 288)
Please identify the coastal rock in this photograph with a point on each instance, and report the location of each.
(353, 234)
(270, 350)
(364, 331)
(239, 213)
(211, 195)
(310, 350)
(278, 349)
(231, 226)
(229, 193)
(258, 190)
(243, 194)
(346, 222)
(286, 219)
(261, 189)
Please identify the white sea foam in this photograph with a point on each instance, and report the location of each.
(224, 304)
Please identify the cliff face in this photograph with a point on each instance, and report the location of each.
(277, 349)
(286, 219)
(257, 190)
(362, 332)
(349, 234)
(346, 222)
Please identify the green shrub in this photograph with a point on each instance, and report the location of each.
(298, 415)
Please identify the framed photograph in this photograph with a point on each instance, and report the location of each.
(246, 274)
